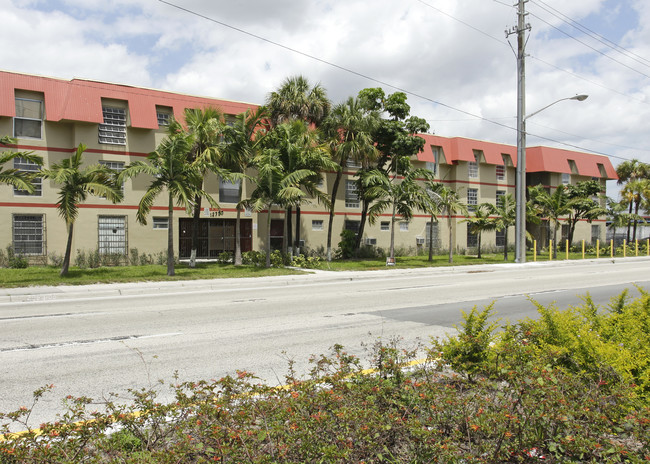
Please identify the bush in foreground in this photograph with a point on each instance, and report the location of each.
(528, 394)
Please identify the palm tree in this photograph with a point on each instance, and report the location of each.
(15, 177)
(481, 222)
(77, 183)
(433, 189)
(450, 204)
(171, 173)
(505, 210)
(631, 171)
(275, 185)
(241, 146)
(583, 206)
(205, 126)
(617, 215)
(297, 99)
(401, 197)
(348, 130)
(552, 206)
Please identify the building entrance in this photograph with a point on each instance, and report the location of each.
(215, 236)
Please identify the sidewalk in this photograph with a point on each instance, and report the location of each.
(72, 292)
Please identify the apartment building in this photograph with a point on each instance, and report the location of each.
(121, 123)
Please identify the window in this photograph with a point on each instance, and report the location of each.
(113, 130)
(472, 199)
(595, 234)
(472, 239)
(24, 165)
(352, 225)
(566, 178)
(161, 223)
(116, 166)
(501, 172)
(384, 226)
(501, 238)
(229, 191)
(436, 237)
(351, 194)
(28, 122)
(317, 224)
(472, 166)
(28, 234)
(500, 194)
(351, 163)
(163, 118)
(403, 226)
(112, 235)
(433, 167)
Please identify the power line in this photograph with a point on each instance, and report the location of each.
(372, 79)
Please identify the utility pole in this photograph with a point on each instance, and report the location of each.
(520, 179)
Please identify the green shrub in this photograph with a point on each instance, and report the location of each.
(225, 257)
(254, 258)
(309, 262)
(16, 261)
(347, 245)
(55, 259)
(134, 257)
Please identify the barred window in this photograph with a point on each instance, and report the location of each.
(501, 172)
(113, 130)
(351, 194)
(229, 191)
(501, 237)
(26, 166)
(436, 236)
(403, 226)
(472, 199)
(317, 224)
(28, 234)
(472, 239)
(112, 235)
(500, 194)
(117, 166)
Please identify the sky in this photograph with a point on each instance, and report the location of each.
(451, 57)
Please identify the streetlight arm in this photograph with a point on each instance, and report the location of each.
(577, 97)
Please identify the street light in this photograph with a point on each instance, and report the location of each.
(520, 179)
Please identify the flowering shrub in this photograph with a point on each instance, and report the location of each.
(536, 394)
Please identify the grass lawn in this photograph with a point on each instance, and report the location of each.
(404, 262)
(48, 275)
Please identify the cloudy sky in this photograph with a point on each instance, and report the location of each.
(450, 56)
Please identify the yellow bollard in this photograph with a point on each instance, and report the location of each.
(550, 250)
(597, 248)
(534, 250)
(636, 248)
(611, 248)
(647, 245)
(583, 249)
(566, 250)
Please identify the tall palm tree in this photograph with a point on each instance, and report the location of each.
(275, 185)
(617, 215)
(297, 99)
(481, 222)
(241, 145)
(433, 189)
(348, 131)
(552, 206)
(505, 210)
(172, 173)
(77, 183)
(400, 197)
(636, 191)
(15, 177)
(205, 126)
(450, 204)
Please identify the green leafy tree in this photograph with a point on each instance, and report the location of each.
(582, 205)
(76, 183)
(551, 206)
(15, 177)
(631, 171)
(242, 141)
(481, 222)
(505, 212)
(617, 215)
(636, 191)
(348, 131)
(401, 197)
(396, 138)
(450, 204)
(171, 173)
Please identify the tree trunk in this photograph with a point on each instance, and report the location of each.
(555, 241)
(431, 239)
(628, 222)
(170, 237)
(297, 231)
(451, 248)
(268, 237)
(636, 212)
(287, 244)
(362, 223)
(505, 244)
(68, 252)
(392, 235)
(330, 224)
(196, 219)
(479, 245)
(237, 258)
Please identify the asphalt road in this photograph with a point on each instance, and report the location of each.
(108, 338)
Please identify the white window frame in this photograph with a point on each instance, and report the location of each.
(117, 166)
(164, 118)
(112, 235)
(113, 130)
(472, 166)
(351, 194)
(500, 171)
(317, 224)
(26, 166)
(25, 236)
(384, 226)
(472, 199)
(566, 178)
(499, 194)
(27, 118)
(403, 226)
(160, 223)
